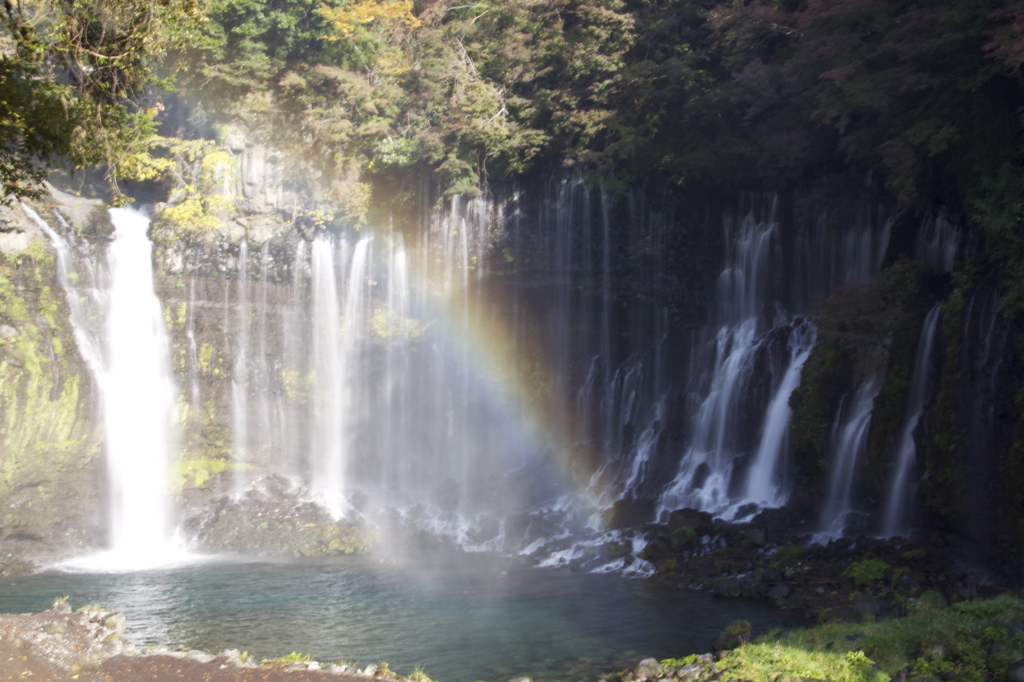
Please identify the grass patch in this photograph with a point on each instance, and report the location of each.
(764, 661)
(293, 657)
(973, 640)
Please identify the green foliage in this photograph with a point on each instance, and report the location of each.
(867, 574)
(679, 662)
(684, 533)
(418, 675)
(668, 567)
(739, 93)
(34, 127)
(862, 320)
(73, 81)
(943, 453)
(998, 209)
(201, 470)
(389, 325)
(293, 657)
(201, 172)
(967, 641)
(826, 375)
(764, 661)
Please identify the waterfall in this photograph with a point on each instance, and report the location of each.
(84, 281)
(518, 368)
(896, 512)
(239, 374)
(757, 333)
(138, 396)
(704, 478)
(847, 445)
(130, 358)
(938, 241)
(533, 365)
(764, 483)
(706, 470)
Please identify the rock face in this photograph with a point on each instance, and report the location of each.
(643, 278)
(72, 642)
(50, 441)
(273, 518)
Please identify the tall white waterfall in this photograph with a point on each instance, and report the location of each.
(896, 513)
(339, 335)
(129, 355)
(138, 397)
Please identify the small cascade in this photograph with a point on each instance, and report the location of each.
(239, 375)
(745, 286)
(938, 242)
(896, 512)
(328, 440)
(739, 425)
(847, 444)
(706, 470)
(765, 484)
(627, 403)
(85, 281)
(129, 354)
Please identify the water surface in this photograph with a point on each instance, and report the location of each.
(461, 619)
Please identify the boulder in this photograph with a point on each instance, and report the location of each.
(700, 521)
(757, 536)
(736, 634)
(778, 591)
(646, 669)
(728, 586)
(275, 517)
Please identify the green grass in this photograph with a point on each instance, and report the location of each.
(293, 657)
(970, 640)
(763, 661)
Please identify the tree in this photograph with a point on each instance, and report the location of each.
(73, 78)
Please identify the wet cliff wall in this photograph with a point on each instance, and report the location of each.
(619, 318)
(50, 438)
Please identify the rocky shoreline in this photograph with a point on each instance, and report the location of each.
(773, 557)
(60, 644)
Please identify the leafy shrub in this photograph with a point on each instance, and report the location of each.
(867, 574)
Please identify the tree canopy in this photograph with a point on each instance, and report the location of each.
(74, 76)
(925, 93)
